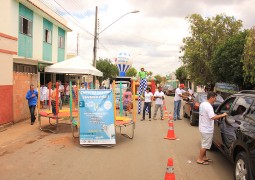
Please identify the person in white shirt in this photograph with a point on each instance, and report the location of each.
(206, 126)
(43, 95)
(178, 100)
(148, 98)
(159, 96)
(60, 94)
(82, 86)
(190, 91)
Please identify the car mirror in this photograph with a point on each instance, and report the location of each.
(252, 109)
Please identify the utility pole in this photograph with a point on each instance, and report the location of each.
(95, 48)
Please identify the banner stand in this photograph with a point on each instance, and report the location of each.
(96, 116)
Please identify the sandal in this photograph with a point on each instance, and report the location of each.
(203, 163)
(208, 160)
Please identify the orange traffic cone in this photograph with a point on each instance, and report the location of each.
(171, 120)
(170, 170)
(166, 115)
(170, 133)
(171, 116)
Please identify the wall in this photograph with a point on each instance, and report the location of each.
(61, 51)
(47, 47)
(8, 48)
(55, 44)
(9, 12)
(6, 113)
(25, 47)
(21, 84)
(37, 37)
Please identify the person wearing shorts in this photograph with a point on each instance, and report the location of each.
(206, 126)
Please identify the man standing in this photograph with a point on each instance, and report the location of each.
(148, 98)
(82, 86)
(206, 126)
(32, 96)
(159, 96)
(177, 101)
(142, 77)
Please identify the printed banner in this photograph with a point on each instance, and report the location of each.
(96, 117)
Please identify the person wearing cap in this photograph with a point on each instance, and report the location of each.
(142, 77)
(177, 101)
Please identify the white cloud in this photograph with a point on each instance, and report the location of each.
(153, 36)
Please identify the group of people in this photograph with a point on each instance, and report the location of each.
(206, 120)
(206, 112)
(148, 97)
(46, 94)
(49, 95)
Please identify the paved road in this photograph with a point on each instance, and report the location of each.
(28, 153)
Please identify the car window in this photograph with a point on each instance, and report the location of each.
(226, 106)
(219, 99)
(202, 97)
(251, 117)
(242, 106)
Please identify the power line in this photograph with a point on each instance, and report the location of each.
(73, 18)
(56, 10)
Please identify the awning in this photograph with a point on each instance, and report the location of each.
(76, 65)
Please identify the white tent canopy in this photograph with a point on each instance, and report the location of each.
(76, 65)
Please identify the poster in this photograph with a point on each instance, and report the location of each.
(96, 117)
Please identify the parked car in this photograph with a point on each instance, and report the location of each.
(191, 107)
(169, 90)
(234, 135)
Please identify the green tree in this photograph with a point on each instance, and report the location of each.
(158, 79)
(226, 65)
(132, 72)
(108, 69)
(249, 57)
(181, 74)
(205, 35)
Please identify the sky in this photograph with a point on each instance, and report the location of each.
(153, 36)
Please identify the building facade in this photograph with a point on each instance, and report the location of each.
(31, 37)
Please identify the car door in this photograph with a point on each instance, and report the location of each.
(225, 107)
(236, 125)
(251, 140)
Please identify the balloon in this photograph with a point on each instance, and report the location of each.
(123, 62)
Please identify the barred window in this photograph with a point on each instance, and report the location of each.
(24, 68)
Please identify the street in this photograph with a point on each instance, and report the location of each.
(28, 153)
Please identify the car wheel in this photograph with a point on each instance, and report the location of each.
(192, 122)
(242, 166)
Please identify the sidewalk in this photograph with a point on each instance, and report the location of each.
(18, 134)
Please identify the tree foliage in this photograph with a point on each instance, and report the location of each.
(205, 35)
(181, 74)
(158, 79)
(132, 72)
(249, 57)
(108, 69)
(227, 65)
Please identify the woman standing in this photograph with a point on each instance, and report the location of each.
(148, 98)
